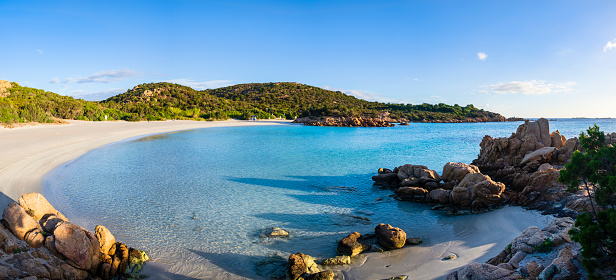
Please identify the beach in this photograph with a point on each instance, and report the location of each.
(29, 152)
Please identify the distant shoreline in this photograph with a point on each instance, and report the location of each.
(30, 152)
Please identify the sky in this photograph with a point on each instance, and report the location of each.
(522, 58)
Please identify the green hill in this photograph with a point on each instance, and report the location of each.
(159, 101)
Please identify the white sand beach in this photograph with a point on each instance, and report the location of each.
(27, 153)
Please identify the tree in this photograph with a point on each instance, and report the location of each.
(595, 171)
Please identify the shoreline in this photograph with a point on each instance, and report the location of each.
(30, 152)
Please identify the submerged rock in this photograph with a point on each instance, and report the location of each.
(338, 260)
(350, 245)
(274, 232)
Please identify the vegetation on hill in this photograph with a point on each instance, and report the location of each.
(160, 101)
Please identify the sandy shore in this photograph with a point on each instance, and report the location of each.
(30, 152)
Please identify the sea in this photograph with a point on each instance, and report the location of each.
(197, 200)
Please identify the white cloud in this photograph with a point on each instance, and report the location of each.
(39, 51)
(610, 45)
(482, 56)
(105, 77)
(54, 80)
(201, 85)
(530, 87)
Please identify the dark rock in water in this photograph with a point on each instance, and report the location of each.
(350, 245)
(390, 237)
(273, 267)
(389, 180)
(450, 257)
(274, 232)
(399, 277)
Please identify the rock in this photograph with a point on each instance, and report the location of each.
(414, 241)
(323, 275)
(338, 260)
(506, 266)
(104, 270)
(545, 167)
(544, 132)
(399, 277)
(567, 265)
(441, 196)
(390, 237)
(50, 245)
(19, 222)
(350, 246)
(450, 257)
(558, 141)
(78, 245)
(50, 223)
(136, 259)
(274, 232)
(482, 271)
(105, 238)
(73, 273)
(534, 269)
(4, 86)
(455, 171)
(542, 155)
(472, 179)
(409, 193)
(122, 253)
(296, 266)
(39, 206)
(420, 172)
(487, 192)
(530, 238)
(35, 238)
(389, 180)
(33, 267)
(517, 258)
(461, 196)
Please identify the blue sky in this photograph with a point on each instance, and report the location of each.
(518, 58)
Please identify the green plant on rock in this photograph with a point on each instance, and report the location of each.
(545, 247)
(30, 212)
(594, 170)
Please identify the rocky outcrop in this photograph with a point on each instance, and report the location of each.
(39, 206)
(42, 243)
(273, 232)
(461, 185)
(4, 86)
(546, 253)
(344, 121)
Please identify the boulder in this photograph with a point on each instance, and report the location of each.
(386, 180)
(19, 222)
(483, 271)
(35, 238)
(50, 223)
(39, 206)
(542, 155)
(78, 245)
(350, 245)
(487, 192)
(413, 241)
(390, 237)
(441, 196)
(558, 141)
(296, 266)
(105, 238)
(455, 171)
(274, 232)
(460, 196)
(420, 172)
(410, 192)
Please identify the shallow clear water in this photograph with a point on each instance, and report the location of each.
(196, 200)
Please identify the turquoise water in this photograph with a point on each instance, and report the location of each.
(196, 200)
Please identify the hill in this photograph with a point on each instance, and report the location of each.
(160, 101)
